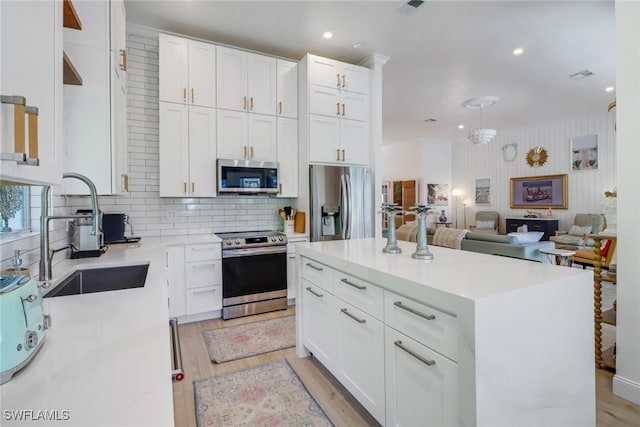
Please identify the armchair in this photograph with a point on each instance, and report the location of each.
(486, 222)
(583, 225)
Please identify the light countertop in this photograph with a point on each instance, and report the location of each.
(106, 360)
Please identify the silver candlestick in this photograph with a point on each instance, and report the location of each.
(422, 250)
(391, 209)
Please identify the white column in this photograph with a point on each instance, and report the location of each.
(626, 382)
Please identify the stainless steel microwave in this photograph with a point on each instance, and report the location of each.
(247, 177)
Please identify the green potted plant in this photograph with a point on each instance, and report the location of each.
(10, 203)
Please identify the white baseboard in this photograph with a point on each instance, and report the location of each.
(626, 388)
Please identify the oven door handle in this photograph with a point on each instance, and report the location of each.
(234, 253)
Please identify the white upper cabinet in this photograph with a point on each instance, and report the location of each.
(339, 75)
(95, 112)
(334, 103)
(262, 137)
(246, 136)
(187, 71)
(288, 157)
(246, 81)
(32, 32)
(287, 88)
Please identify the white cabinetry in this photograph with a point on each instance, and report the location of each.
(187, 71)
(95, 112)
(246, 136)
(246, 81)
(187, 150)
(287, 88)
(334, 110)
(293, 275)
(31, 32)
(195, 279)
(287, 152)
(351, 341)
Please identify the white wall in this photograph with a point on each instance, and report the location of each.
(586, 188)
(626, 383)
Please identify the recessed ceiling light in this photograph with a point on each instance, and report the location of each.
(327, 34)
(518, 51)
(460, 126)
(610, 89)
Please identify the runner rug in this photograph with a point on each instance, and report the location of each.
(265, 395)
(249, 339)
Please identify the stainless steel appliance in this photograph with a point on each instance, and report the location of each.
(22, 325)
(247, 177)
(114, 228)
(341, 200)
(254, 272)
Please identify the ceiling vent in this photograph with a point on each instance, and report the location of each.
(581, 74)
(430, 119)
(410, 7)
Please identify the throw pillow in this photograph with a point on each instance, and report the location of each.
(485, 224)
(604, 249)
(579, 231)
(530, 237)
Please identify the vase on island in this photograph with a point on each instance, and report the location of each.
(443, 216)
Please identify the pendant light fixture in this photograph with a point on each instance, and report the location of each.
(482, 135)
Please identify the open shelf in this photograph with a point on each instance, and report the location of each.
(70, 75)
(70, 18)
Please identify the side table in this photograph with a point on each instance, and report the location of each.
(562, 257)
(443, 224)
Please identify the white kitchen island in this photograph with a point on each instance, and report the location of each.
(465, 339)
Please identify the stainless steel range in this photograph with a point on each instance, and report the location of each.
(254, 272)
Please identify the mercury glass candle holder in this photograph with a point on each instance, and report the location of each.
(422, 250)
(392, 210)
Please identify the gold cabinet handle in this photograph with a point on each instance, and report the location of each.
(193, 188)
(125, 182)
(251, 150)
(338, 154)
(184, 94)
(338, 78)
(280, 106)
(337, 108)
(343, 155)
(123, 54)
(344, 80)
(244, 156)
(343, 109)
(193, 95)
(251, 103)
(244, 102)
(184, 188)
(279, 188)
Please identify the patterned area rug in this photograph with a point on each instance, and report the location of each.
(266, 395)
(249, 339)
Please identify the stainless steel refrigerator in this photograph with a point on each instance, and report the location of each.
(341, 203)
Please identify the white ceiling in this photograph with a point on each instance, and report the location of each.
(440, 55)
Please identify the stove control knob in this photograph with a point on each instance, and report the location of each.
(237, 242)
(281, 238)
(30, 340)
(273, 239)
(227, 242)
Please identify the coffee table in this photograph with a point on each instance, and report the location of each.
(559, 256)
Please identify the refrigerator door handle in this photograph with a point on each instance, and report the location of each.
(346, 208)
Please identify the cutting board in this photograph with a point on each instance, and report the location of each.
(298, 222)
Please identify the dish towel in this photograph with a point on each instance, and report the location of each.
(449, 237)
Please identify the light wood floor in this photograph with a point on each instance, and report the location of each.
(337, 403)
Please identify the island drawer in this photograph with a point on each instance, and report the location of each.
(202, 252)
(427, 325)
(318, 274)
(359, 293)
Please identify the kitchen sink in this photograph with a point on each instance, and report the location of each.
(101, 280)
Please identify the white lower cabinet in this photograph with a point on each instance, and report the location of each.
(320, 324)
(361, 358)
(195, 279)
(293, 276)
(421, 385)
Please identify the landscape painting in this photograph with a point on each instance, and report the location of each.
(548, 191)
(438, 194)
(483, 191)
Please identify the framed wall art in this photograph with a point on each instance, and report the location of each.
(438, 194)
(584, 153)
(483, 191)
(549, 191)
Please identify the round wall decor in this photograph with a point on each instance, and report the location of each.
(510, 152)
(537, 157)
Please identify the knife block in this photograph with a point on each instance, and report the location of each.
(299, 220)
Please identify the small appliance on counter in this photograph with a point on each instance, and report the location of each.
(83, 243)
(113, 228)
(22, 325)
